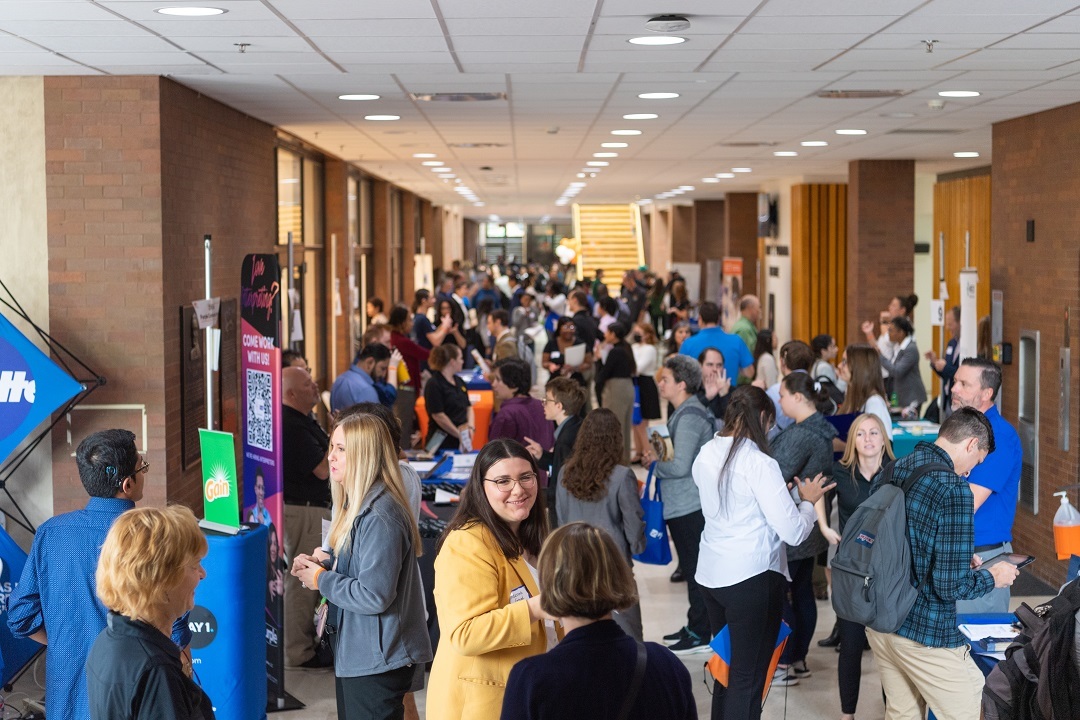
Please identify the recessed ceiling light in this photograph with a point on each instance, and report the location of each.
(423, 155)
(441, 169)
(191, 11)
(710, 180)
(813, 143)
(432, 163)
(602, 155)
(850, 131)
(959, 93)
(734, 170)
(581, 175)
(965, 154)
(657, 40)
(597, 163)
(382, 117)
(658, 96)
(614, 145)
(357, 96)
(785, 153)
(725, 176)
(686, 188)
(625, 132)
(640, 116)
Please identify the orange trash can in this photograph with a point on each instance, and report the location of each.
(482, 402)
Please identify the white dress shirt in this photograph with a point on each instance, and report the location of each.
(748, 517)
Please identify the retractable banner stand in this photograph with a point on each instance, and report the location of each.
(730, 291)
(969, 313)
(260, 372)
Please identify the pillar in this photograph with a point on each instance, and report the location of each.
(741, 235)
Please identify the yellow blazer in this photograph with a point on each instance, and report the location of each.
(483, 633)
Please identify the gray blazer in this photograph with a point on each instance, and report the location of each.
(378, 604)
(907, 382)
(619, 512)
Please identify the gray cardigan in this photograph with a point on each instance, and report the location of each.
(619, 512)
(377, 601)
(803, 450)
(907, 382)
(690, 427)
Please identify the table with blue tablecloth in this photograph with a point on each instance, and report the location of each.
(909, 433)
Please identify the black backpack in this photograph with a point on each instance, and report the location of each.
(836, 395)
(1039, 678)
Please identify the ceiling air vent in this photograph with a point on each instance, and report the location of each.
(924, 131)
(458, 97)
(861, 94)
(749, 144)
(477, 146)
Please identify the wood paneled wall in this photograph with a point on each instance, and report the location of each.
(819, 261)
(962, 206)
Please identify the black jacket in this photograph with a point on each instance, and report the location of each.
(133, 671)
(564, 447)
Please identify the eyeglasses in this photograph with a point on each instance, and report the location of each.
(545, 401)
(145, 467)
(506, 484)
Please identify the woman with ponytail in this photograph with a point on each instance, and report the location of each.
(749, 516)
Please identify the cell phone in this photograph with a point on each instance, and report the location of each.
(1017, 559)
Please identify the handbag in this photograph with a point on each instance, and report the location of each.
(657, 548)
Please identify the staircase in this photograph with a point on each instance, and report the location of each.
(610, 237)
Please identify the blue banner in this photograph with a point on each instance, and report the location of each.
(16, 651)
(31, 387)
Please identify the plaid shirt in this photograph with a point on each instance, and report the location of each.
(940, 528)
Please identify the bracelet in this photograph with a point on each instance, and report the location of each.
(315, 580)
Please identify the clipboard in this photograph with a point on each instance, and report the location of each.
(574, 355)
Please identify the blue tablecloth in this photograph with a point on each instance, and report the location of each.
(474, 380)
(904, 441)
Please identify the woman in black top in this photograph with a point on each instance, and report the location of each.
(446, 398)
(554, 357)
(150, 565)
(868, 448)
(615, 382)
(454, 335)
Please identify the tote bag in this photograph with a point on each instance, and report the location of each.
(657, 548)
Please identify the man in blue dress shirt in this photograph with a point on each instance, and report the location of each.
(737, 358)
(357, 384)
(55, 601)
(995, 484)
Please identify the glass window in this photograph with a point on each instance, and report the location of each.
(367, 217)
(313, 203)
(290, 208)
(353, 189)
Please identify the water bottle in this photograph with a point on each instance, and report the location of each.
(894, 401)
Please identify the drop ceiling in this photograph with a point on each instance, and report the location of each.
(748, 74)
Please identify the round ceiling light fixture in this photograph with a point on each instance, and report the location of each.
(191, 11)
(667, 23)
(657, 40)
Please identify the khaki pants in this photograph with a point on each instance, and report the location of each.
(914, 676)
(303, 533)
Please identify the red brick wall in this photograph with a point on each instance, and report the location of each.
(880, 236)
(103, 186)
(1034, 177)
(217, 178)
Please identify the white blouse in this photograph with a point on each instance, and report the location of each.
(645, 357)
(748, 519)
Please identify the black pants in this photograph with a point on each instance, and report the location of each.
(751, 610)
(801, 612)
(374, 697)
(685, 532)
(849, 665)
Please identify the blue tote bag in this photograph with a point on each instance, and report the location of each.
(657, 548)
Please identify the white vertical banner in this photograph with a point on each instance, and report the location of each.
(969, 313)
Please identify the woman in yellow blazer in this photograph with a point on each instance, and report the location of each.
(486, 592)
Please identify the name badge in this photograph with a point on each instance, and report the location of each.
(519, 593)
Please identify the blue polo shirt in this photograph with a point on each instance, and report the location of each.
(736, 355)
(999, 473)
(352, 386)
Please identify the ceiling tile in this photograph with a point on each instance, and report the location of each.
(353, 9)
(518, 26)
(453, 9)
(821, 24)
(369, 28)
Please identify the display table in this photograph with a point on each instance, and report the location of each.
(228, 645)
(908, 434)
(483, 401)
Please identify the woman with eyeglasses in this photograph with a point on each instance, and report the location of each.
(486, 589)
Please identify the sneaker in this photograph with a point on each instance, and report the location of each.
(800, 669)
(690, 644)
(783, 677)
(676, 636)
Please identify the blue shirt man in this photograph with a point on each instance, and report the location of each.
(357, 384)
(737, 357)
(995, 484)
(55, 601)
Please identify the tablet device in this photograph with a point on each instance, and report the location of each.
(435, 442)
(1017, 559)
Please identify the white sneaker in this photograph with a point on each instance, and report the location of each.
(784, 677)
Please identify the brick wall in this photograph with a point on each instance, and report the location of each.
(880, 236)
(103, 187)
(1034, 178)
(217, 178)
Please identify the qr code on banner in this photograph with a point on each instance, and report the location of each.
(260, 423)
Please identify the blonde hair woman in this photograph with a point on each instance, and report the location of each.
(868, 449)
(376, 612)
(584, 578)
(149, 567)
